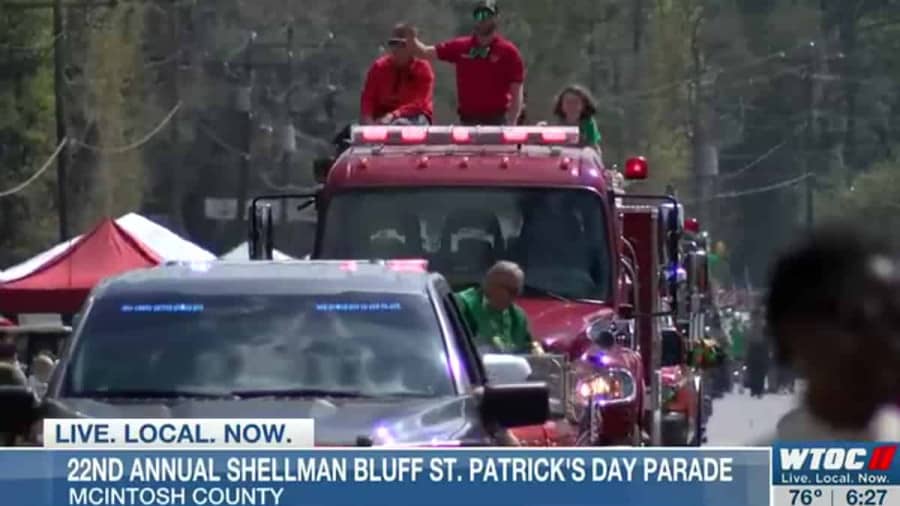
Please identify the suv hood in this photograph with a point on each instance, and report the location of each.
(338, 422)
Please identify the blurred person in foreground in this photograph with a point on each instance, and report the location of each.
(492, 314)
(489, 69)
(399, 88)
(834, 314)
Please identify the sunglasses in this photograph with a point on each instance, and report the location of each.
(483, 14)
(396, 43)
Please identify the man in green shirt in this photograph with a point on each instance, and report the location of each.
(492, 314)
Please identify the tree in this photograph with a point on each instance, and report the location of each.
(27, 218)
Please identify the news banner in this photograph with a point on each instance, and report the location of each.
(273, 462)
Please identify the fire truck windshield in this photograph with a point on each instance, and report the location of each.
(558, 236)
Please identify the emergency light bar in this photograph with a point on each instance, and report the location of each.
(401, 265)
(462, 135)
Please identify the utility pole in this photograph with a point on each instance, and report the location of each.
(59, 55)
(815, 97)
(175, 178)
(245, 107)
(705, 146)
(62, 161)
(290, 141)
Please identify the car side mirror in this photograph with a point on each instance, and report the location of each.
(511, 406)
(506, 369)
(18, 404)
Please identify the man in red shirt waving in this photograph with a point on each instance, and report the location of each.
(399, 88)
(489, 70)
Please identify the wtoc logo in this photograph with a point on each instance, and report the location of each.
(837, 459)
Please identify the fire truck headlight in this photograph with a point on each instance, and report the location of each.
(613, 386)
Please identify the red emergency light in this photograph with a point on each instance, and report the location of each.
(375, 134)
(554, 136)
(414, 135)
(636, 168)
(692, 225)
(461, 135)
(515, 136)
(408, 265)
(476, 135)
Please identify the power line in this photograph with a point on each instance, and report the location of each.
(40, 172)
(221, 143)
(781, 54)
(761, 158)
(136, 144)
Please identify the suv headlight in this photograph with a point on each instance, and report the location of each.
(613, 386)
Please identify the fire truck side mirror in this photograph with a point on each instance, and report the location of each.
(321, 168)
(673, 349)
(698, 271)
(261, 232)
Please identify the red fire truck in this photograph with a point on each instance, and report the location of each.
(465, 197)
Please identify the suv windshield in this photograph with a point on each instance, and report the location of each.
(364, 344)
(558, 236)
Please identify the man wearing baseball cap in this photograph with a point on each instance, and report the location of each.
(489, 70)
(399, 88)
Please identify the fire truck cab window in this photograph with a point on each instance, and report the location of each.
(558, 236)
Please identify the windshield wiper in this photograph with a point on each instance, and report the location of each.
(153, 394)
(301, 392)
(537, 290)
(316, 392)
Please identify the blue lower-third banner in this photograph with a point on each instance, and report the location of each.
(371, 477)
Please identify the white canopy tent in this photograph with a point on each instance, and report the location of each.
(241, 252)
(166, 244)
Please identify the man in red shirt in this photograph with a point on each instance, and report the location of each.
(489, 70)
(399, 88)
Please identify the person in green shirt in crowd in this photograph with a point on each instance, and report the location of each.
(575, 106)
(492, 314)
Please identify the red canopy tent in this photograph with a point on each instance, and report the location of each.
(62, 284)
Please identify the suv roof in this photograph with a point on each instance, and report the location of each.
(270, 277)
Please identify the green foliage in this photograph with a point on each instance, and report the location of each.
(870, 201)
(26, 133)
(834, 113)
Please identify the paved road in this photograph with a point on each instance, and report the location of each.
(740, 419)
